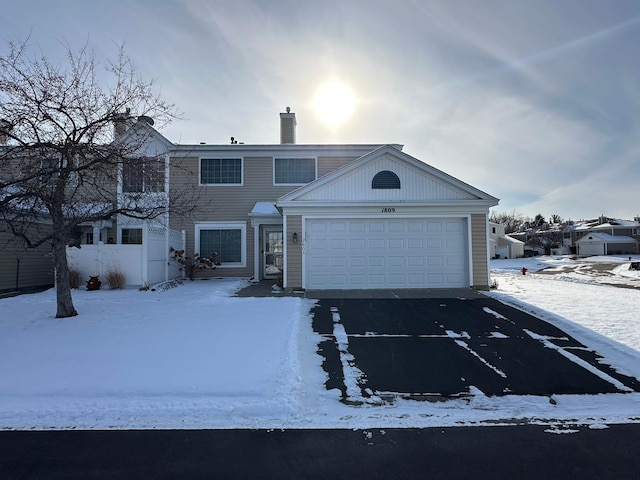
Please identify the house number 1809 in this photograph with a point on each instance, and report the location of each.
(388, 210)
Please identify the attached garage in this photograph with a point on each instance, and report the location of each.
(365, 253)
(605, 244)
(386, 221)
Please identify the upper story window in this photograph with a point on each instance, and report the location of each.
(385, 180)
(294, 171)
(221, 171)
(143, 175)
(131, 236)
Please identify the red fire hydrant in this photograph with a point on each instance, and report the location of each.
(524, 270)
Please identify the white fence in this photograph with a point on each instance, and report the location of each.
(145, 264)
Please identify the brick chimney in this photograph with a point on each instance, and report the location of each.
(121, 123)
(288, 127)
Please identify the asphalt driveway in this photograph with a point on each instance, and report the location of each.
(440, 348)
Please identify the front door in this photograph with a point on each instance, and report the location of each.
(273, 253)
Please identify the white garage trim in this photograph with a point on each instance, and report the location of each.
(373, 251)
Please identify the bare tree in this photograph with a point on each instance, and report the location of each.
(546, 239)
(555, 219)
(511, 220)
(60, 159)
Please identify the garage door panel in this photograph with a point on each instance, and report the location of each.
(357, 262)
(383, 253)
(415, 261)
(338, 261)
(396, 227)
(415, 226)
(415, 243)
(376, 226)
(434, 261)
(376, 261)
(416, 280)
(397, 261)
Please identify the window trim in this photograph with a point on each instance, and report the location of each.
(122, 229)
(153, 175)
(242, 226)
(293, 157)
(221, 157)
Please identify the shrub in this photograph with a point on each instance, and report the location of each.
(191, 265)
(74, 278)
(115, 279)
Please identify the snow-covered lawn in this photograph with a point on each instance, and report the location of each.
(197, 357)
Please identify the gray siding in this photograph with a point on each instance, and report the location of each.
(222, 203)
(294, 252)
(329, 164)
(23, 269)
(479, 252)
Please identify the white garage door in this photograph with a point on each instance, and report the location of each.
(386, 253)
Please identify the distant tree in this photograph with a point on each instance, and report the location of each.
(546, 239)
(555, 219)
(538, 221)
(59, 162)
(511, 220)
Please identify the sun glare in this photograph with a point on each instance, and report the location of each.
(334, 103)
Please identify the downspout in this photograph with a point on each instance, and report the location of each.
(257, 259)
(167, 230)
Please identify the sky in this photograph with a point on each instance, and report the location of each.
(535, 103)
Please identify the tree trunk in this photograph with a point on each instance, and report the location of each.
(64, 302)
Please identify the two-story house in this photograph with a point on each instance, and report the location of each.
(332, 216)
(317, 217)
(602, 236)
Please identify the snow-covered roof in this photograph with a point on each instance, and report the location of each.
(515, 241)
(596, 223)
(264, 208)
(606, 238)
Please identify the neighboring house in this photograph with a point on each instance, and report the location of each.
(502, 245)
(605, 244)
(333, 216)
(139, 249)
(613, 227)
(24, 269)
(315, 217)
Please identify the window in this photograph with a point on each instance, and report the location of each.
(294, 171)
(49, 168)
(385, 180)
(132, 236)
(228, 239)
(143, 175)
(221, 171)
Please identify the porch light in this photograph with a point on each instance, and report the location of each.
(294, 237)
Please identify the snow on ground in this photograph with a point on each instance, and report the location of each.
(197, 357)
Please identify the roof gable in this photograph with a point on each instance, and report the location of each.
(419, 182)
